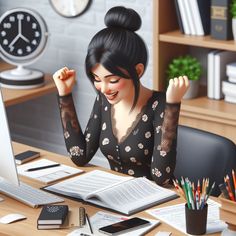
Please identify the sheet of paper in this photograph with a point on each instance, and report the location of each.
(101, 219)
(175, 216)
(47, 175)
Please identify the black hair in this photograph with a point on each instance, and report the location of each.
(117, 47)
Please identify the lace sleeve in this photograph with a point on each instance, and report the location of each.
(169, 126)
(164, 152)
(80, 146)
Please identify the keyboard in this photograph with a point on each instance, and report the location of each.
(30, 196)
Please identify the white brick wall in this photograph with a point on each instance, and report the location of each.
(37, 122)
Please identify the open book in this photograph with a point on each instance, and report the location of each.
(127, 195)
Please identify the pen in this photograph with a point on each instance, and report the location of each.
(43, 167)
(90, 227)
(209, 193)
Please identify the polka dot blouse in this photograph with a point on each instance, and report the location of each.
(148, 149)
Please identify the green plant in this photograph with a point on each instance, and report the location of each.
(233, 9)
(184, 65)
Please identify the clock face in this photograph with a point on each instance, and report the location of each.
(70, 8)
(22, 34)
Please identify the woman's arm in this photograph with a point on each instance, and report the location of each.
(81, 146)
(165, 130)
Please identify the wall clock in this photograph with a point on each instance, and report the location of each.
(70, 8)
(23, 37)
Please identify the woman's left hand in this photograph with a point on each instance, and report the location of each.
(176, 89)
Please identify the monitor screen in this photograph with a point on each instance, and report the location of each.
(8, 169)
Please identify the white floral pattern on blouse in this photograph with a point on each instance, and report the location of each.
(88, 135)
(163, 153)
(130, 172)
(110, 157)
(156, 172)
(148, 134)
(158, 128)
(144, 117)
(66, 135)
(133, 159)
(104, 126)
(140, 145)
(146, 152)
(154, 105)
(127, 148)
(168, 169)
(76, 151)
(105, 141)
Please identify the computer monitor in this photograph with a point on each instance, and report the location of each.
(8, 170)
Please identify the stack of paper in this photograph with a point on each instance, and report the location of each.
(175, 216)
(47, 175)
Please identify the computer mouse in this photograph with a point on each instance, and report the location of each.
(7, 219)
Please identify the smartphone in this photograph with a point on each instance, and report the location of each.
(124, 226)
(26, 156)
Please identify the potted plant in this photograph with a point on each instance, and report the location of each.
(189, 66)
(233, 14)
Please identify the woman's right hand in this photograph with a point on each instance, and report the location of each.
(64, 80)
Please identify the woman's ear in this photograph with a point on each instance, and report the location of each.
(140, 69)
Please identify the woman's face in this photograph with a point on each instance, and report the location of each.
(115, 88)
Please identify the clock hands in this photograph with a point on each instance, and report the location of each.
(19, 35)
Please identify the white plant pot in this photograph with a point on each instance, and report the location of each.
(193, 89)
(234, 28)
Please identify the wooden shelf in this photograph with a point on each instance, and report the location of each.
(216, 116)
(211, 110)
(197, 41)
(15, 96)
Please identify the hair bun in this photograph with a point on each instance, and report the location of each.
(123, 17)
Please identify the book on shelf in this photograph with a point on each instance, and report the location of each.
(231, 72)
(53, 215)
(221, 59)
(47, 175)
(221, 20)
(179, 17)
(123, 194)
(230, 99)
(189, 17)
(232, 79)
(201, 16)
(229, 91)
(193, 16)
(211, 73)
(183, 15)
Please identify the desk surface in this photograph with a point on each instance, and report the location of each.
(29, 226)
(15, 96)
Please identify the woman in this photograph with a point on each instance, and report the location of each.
(134, 127)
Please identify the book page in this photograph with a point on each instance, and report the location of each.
(83, 185)
(175, 216)
(101, 219)
(47, 175)
(132, 195)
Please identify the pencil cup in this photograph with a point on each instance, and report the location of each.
(196, 220)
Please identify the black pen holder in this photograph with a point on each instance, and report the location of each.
(196, 220)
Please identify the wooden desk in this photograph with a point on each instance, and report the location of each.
(15, 96)
(28, 227)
